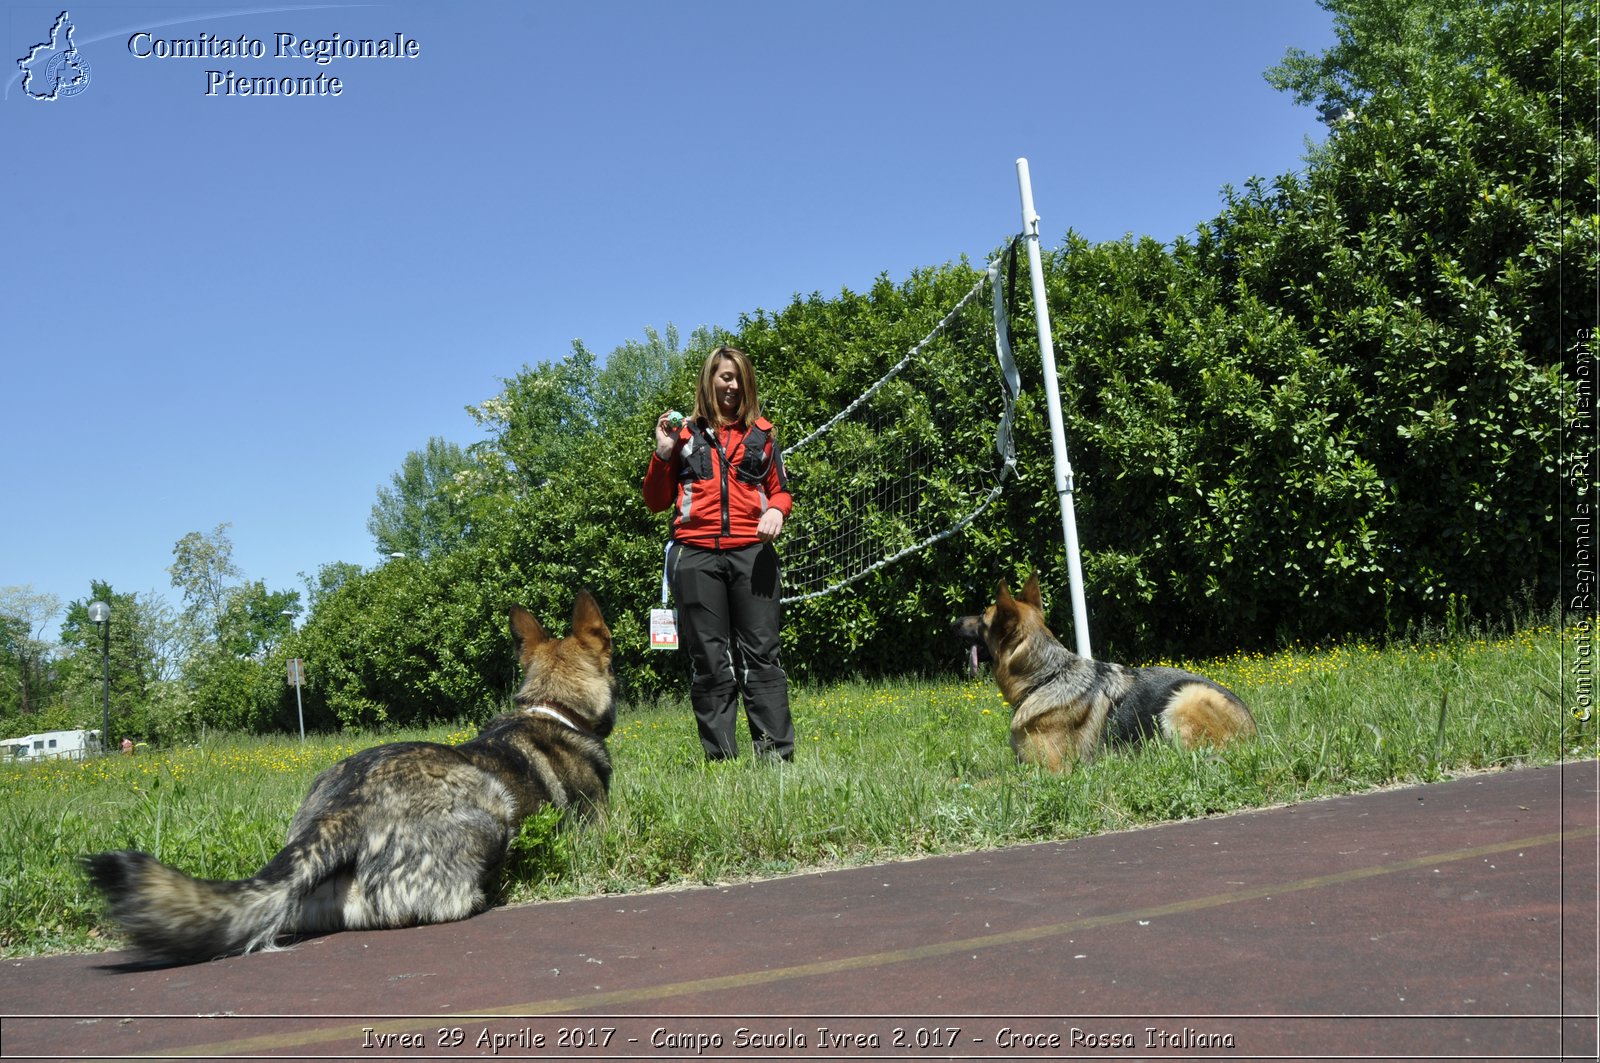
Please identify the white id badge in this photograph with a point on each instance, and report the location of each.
(663, 629)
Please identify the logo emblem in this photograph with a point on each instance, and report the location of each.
(55, 69)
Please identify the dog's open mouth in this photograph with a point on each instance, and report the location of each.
(969, 630)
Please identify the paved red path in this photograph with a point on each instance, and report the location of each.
(1448, 921)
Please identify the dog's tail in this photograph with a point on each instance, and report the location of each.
(1203, 713)
(179, 919)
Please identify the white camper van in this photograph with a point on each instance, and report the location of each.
(53, 745)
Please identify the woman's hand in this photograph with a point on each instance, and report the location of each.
(666, 438)
(770, 525)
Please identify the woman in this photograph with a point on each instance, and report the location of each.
(722, 473)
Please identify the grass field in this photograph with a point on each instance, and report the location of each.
(883, 772)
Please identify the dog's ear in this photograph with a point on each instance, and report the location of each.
(588, 623)
(1001, 618)
(1030, 590)
(528, 632)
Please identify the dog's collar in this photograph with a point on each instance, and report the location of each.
(555, 711)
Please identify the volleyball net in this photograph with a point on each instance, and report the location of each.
(901, 467)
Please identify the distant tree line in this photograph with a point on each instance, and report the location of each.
(173, 670)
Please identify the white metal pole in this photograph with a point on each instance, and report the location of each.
(1052, 394)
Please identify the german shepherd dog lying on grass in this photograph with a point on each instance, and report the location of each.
(1065, 707)
(399, 834)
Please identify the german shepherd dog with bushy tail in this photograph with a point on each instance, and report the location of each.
(1065, 707)
(400, 834)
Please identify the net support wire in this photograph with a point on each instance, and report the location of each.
(896, 369)
(1012, 382)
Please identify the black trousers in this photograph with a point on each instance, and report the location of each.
(728, 621)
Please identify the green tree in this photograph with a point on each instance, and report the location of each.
(637, 374)
(256, 620)
(423, 512)
(170, 638)
(546, 417)
(231, 673)
(235, 680)
(25, 673)
(329, 578)
(538, 423)
(1411, 47)
(128, 642)
(203, 569)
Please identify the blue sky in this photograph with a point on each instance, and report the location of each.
(249, 310)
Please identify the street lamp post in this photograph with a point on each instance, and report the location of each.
(100, 613)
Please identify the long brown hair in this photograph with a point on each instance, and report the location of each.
(705, 399)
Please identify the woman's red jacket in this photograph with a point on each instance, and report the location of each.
(720, 484)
